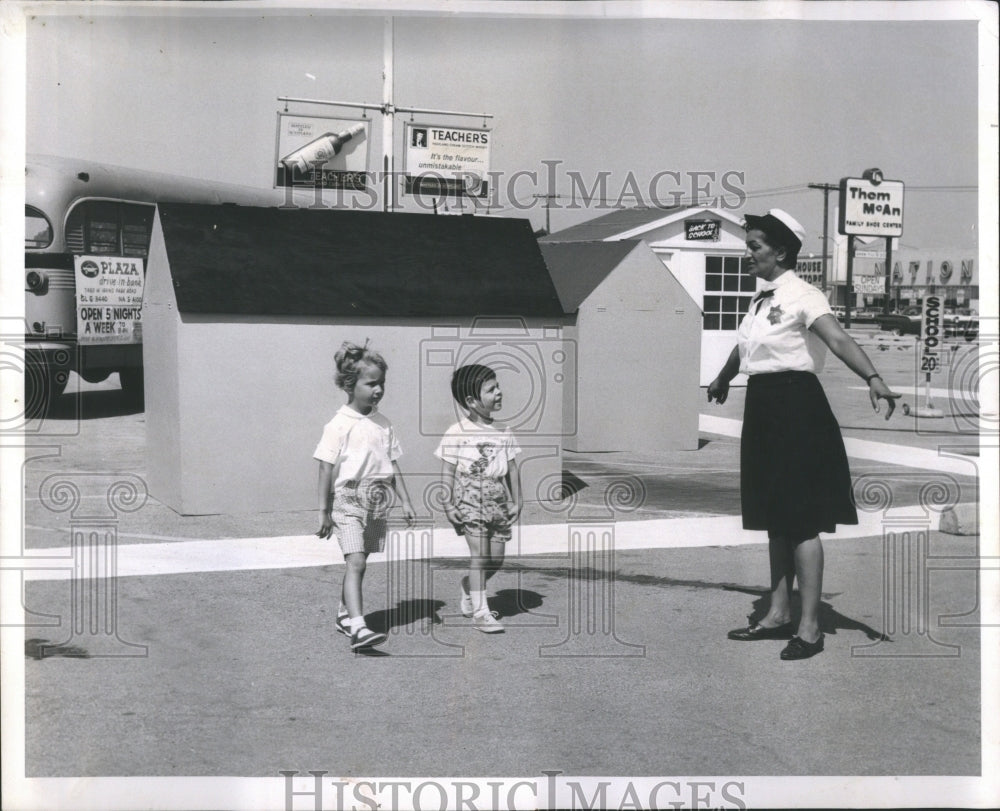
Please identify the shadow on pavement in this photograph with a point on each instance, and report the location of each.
(830, 620)
(510, 602)
(43, 649)
(405, 612)
(92, 405)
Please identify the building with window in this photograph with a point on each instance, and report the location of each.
(951, 273)
(704, 249)
(810, 269)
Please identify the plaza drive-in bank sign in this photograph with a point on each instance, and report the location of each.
(109, 299)
(447, 161)
(871, 206)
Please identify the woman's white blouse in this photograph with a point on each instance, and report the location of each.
(774, 335)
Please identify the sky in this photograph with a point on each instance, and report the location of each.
(770, 104)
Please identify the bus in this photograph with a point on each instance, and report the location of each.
(75, 209)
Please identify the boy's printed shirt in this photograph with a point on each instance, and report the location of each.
(365, 445)
(774, 335)
(478, 450)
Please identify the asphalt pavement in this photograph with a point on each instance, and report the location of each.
(615, 659)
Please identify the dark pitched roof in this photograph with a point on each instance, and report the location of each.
(577, 268)
(269, 261)
(616, 222)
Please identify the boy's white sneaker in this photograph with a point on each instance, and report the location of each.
(487, 622)
(365, 637)
(465, 604)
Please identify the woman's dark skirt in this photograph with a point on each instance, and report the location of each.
(794, 478)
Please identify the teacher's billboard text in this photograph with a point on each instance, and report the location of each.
(447, 161)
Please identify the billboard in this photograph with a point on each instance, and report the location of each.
(871, 206)
(319, 151)
(446, 161)
(109, 299)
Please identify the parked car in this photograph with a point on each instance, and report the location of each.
(953, 325)
(858, 316)
(960, 325)
(899, 324)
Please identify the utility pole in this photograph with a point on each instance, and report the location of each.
(389, 110)
(388, 119)
(548, 198)
(826, 188)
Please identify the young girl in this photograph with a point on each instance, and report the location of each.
(481, 478)
(357, 470)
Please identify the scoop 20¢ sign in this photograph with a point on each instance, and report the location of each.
(930, 335)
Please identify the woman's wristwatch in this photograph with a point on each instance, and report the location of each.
(871, 377)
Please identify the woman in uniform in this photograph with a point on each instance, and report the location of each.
(794, 478)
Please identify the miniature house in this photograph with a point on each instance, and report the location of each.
(245, 307)
(637, 338)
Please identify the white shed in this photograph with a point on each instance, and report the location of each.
(703, 249)
(636, 334)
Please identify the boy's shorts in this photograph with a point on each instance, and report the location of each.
(359, 512)
(487, 506)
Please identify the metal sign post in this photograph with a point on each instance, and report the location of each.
(929, 347)
(388, 109)
(849, 291)
(888, 275)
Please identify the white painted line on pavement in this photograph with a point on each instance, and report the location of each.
(183, 556)
(298, 551)
(120, 534)
(941, 394)
(904, 455)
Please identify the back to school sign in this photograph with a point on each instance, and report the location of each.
(109, 299)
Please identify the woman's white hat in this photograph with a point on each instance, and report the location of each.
(777, 222)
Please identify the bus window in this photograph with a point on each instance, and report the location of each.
(106, 227)
(102, 228)
(137, 222)
(37, 229)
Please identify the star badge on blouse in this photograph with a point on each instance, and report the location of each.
(774, 315)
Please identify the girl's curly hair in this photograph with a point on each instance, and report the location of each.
(349, 358)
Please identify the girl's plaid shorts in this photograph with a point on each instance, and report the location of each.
(359, 512)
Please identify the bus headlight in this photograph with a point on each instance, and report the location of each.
(37, 281)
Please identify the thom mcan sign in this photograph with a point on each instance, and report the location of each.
(871, 207)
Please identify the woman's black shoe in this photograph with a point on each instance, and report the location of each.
(757, 631)
(800, 649)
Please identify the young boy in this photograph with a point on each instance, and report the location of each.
(480, 474)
